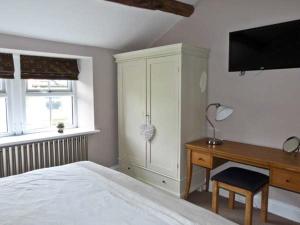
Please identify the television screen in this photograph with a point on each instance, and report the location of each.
(270, 47)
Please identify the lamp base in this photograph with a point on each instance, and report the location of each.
(214, 141)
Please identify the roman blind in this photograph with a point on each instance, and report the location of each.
(7, 68)
(38, 67)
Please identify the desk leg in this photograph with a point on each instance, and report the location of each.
(264, 203)
(189, 168)
(215, 196)
(207, 179)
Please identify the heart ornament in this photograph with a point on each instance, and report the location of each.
(148, 131)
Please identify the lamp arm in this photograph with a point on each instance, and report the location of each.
(206, 115)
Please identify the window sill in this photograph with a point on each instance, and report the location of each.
(28, 138)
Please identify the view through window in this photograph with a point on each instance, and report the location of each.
(54, 100)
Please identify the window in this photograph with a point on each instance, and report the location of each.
(3, 108)
(28, 106)
(48, 102)
(29, 102)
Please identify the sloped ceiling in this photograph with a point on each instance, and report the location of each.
(86, 22)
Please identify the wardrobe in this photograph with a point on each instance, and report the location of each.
(163, 89)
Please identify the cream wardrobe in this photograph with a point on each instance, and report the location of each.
(165, 87)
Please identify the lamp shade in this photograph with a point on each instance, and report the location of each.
(223, 112)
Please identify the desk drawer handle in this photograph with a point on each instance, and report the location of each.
(164, 182)
(201, 159)
(287, 180)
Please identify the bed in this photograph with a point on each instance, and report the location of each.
(85, 193)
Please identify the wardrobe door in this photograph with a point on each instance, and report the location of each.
(163, 82)
(132, 111)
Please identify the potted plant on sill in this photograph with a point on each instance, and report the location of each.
(60, 127)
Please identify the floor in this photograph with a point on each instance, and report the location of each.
(203, 199)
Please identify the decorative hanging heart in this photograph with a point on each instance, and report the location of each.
(148, 131)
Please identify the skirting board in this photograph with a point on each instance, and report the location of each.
(276, 207)
(115, 167)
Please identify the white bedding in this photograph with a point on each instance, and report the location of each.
(85, 193)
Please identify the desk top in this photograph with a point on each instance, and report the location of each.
(259, 156)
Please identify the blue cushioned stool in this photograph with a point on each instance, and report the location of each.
(246, 183)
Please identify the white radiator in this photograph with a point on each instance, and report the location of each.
(26, 157)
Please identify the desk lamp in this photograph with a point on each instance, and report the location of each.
(221, 114)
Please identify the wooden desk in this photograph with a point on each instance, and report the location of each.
(284, 168)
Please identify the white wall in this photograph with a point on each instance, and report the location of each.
(266, 104)
(85, 94)
(102, 146)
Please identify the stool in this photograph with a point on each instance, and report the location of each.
(246, 183)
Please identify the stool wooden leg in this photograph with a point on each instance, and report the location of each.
(249, 208)
(231, 199)
(264, 203)
(215, 197)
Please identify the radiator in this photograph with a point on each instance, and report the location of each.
(41, 154)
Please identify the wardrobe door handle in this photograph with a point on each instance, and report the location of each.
(148, 118)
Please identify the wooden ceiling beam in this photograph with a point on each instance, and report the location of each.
(170, 6)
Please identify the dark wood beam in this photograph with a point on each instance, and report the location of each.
(170, 6)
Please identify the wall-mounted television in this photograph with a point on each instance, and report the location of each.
(269, 47)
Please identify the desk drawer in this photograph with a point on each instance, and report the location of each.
(285, 179)
(201, 159)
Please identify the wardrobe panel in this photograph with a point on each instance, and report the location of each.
(164, 110)
(132, 111)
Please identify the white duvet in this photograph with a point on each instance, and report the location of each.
(85, 193)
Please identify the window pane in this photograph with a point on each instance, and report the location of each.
(59, 85)
(3, 119)
(37, 112)
(37, 85)
(2, 86)
(62, 110)
(46, 112)
(46, 85)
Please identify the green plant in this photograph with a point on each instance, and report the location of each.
(60, 125)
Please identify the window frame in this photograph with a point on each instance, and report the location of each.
(3, 85)
(50, 93)
(3, 93)
(69, 90)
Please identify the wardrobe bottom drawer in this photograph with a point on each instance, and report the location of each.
(154, 179)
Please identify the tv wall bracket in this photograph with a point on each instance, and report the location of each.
(243, 72)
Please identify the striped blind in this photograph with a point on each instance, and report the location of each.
(37, 67)
(7, 68)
